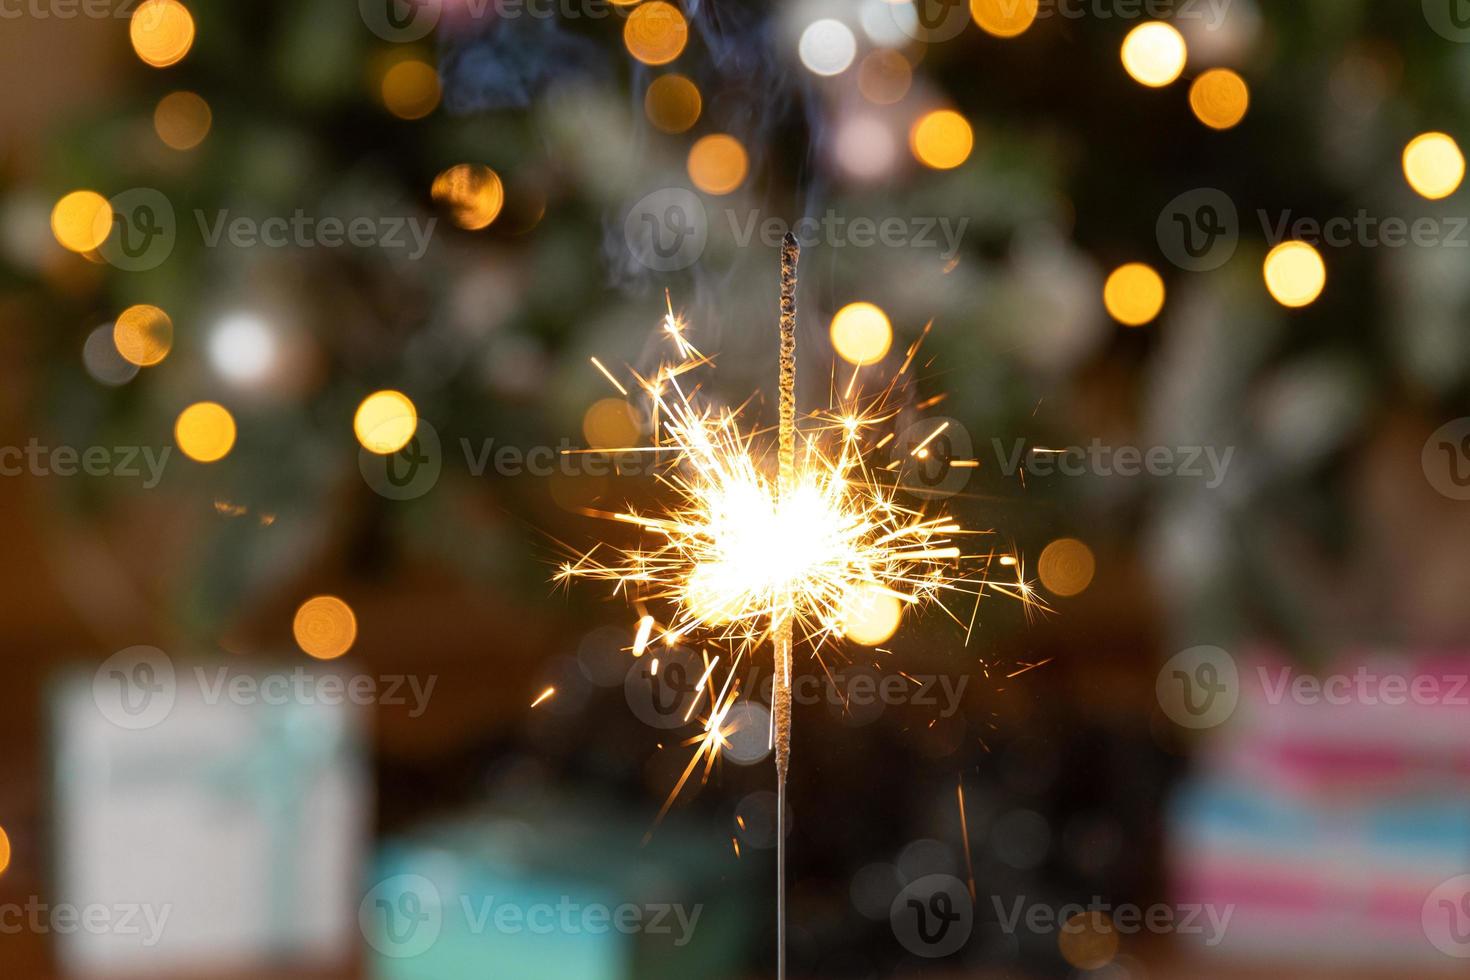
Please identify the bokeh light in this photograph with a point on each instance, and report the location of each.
(717, 163)
(1134, 294)
(656, 33)
(871, 616)
(827, 47)
(865, 147)
(942, 139)
(1066, 567)
(672, 103)
(885, 77)
(1295, 274)
(182, 120)
(81, 220)
(1088, 940)
(242, 349)
(1434, 165)
(472, 192)
(1155, 54)
(4, 850)
(205, 432)
(103, 362)
(411, 89)
(385, 422)
(143, 334)
(611, 423)
(1219, 98)
(861, 333)
(325, 627)
(1004, 18)
(162, 32)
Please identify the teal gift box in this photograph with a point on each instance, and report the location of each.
(222, 812)
(561, 892)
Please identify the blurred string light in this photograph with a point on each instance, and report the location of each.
(871, 616)
(1295, 274)
(865, 147)
(1004, 18)
(205, 432)
(827, 47)
(325, 627)
(885, 77)
(472, 192)
(242, 349)
(861, 333)
(1219, 98)
(411, 89)
(1155, 54)
(103, 362)
(942, 139)
(1066, 567)
(1134, 294)
(182, 120)
(718, 163)
(143, 335)
(611, 423)
(162, 32)
(385, 422)
(672, 103)
(1434, 165)
(81, 220)
(889, 23)
(4, 850)
(656, 33)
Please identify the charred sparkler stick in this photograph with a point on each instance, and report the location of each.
(781, 625)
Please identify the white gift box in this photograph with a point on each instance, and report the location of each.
(205, 825)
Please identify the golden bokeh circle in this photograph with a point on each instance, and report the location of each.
(718, 163)
(1004, 18)
(942, 139)
(325, 627)
(871, 616)
(205, 432)
(4, 850)
(411, 89)
(182, 120)
(1066, 567)
(656, 33)
(473, 194)
(885, 76)
(861, 333)
(1134, 294)
(611, 423)
(162, 32)
(1088, 940)
(143, 335)
(1155, 54)
(385, 422)
(81, 220)
(1295, 274)
(1434, 165)
(672, 103)
(1220, 98)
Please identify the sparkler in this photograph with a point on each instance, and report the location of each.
(739, 558)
